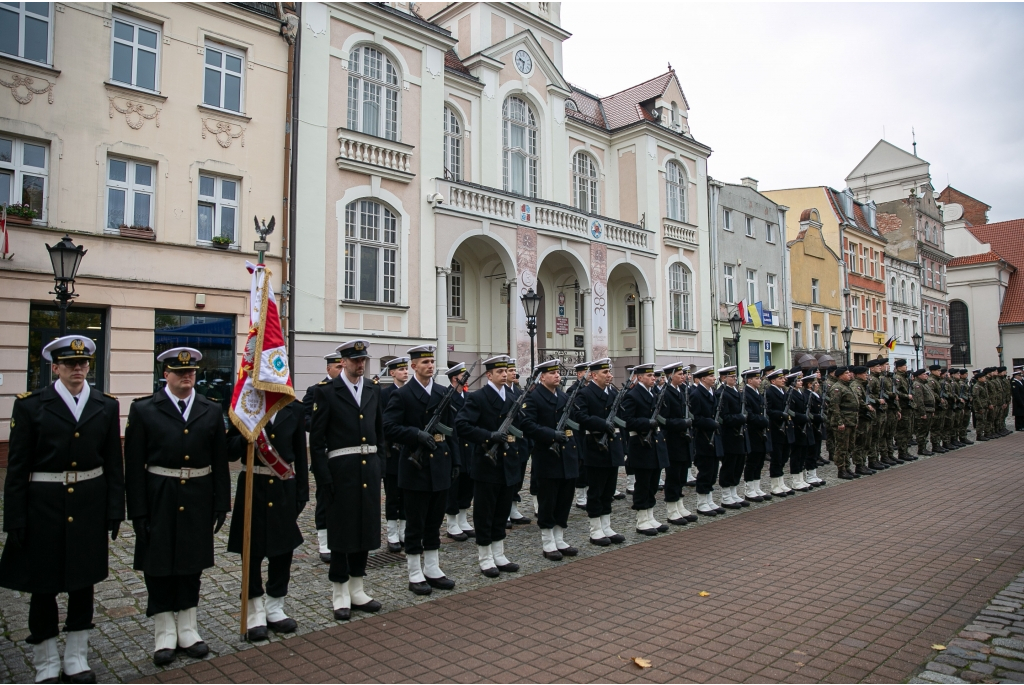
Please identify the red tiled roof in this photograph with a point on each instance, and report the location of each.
(858, 219)
(589, 108)
(985, 258)
(622, 108)
(452, 61)
(1007, 240)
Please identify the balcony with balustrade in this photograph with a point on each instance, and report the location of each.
(370, 154)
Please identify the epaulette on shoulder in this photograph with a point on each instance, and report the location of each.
(322, 383)
(113, 397)
(23, 395)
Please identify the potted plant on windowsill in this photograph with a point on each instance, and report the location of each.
(136, 231)
(21, 214)
(221, 241)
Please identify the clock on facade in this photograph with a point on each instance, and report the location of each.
(524, 63)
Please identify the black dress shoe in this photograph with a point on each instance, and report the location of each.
(510, 567)
(326, 556)
(846, 475)
(678, 522)
(421, 589)
(393, 547)
(508, 525)
(862, 470)
(820, 462)
(491, 572)
(257, 634)
(766, 497)
(470, 532)
(691, 518)
(732, 505)
(600, 542)
(522, 520)
(876, 466)
(753, 498)
(553, 556)
(568, 551)
(55, 679)
(81, 677)
(817, 484)
(647, 531)
(744, 503)
(163, 657)
(196, 650)
(618, 538)
(458, 537)
(617, 495)
(342, 614)
(285, 625)
(663, 528)
(371, 607)
(442, 583)
(629, 491)
(713, 512)
(691, 483)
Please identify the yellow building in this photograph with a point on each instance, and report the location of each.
(817, 313)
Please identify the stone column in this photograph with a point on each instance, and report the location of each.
(442, 319)
(647, 303)
(588, 326)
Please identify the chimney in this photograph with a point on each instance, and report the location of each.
(749, 182)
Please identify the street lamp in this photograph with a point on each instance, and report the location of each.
(916, 337)
(735, 323)
(963, 351)
(65, 257)
(531, 303)
(847, 333)
(999, 351)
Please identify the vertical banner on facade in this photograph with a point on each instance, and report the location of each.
(599, 314)
(526, 278)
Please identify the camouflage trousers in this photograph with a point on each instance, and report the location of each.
(904, 431)
(862, 442)
(879, 435)
(922, 427)
(841, 449)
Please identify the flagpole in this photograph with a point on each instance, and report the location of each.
(247, 538)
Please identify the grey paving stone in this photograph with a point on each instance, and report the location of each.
(1013, 653)
(940, 668)
(1006, 663)
(983, 668)
(1010, 643)
(968, 654)
(946, 658)
(934, 677)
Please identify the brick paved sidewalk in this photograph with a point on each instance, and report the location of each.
(854, 583)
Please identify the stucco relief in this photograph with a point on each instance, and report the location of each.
(223, 131)
(599, 317)
(526, 278)
(23, 88)
(135, 113)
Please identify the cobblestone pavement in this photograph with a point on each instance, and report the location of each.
(122, 642)
(989, 650)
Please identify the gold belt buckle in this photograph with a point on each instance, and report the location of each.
(511, 438)
(438, 437)
(568, 433)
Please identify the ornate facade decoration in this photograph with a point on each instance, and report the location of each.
(134, 108)
(23, 88)
(223, 131)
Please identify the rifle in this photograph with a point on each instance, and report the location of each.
(434, 425)
(602, 441)
(648, 437)
(788, 413)
(686, 415)
(506, 425)
(564, 420)
(766, 432)
(716, 437)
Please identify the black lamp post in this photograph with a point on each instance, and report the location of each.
(999, 351)
(847, 333)
(963, 351)
(735, 323)
(531, 303)
(65, 257)
(918, 340)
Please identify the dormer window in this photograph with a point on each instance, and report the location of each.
(570, 106)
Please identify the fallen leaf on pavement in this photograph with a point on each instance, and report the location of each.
(938, 648)
(702, 593)
(642, 663)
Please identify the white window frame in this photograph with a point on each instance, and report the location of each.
(815, 336)
(18, 170)
(584, 183)
(833, 337)
(861, 258)
(132, 189)
(224, 71)
(219, 203)
(579, 312)
(680, 297)
(855, 311)
(852, 251)
(769, 232)
(456, 293)
(363, 77)
(729, 275)
(21, 13)
(727, 220)
(676, 185)
(815, 291)
(372, 225)
(771, 292)
(749, 227)
(798, 334)
(751, 287)
(524, 117)
(453, 144)
(136, 47)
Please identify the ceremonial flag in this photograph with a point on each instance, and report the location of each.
(264, 384)
(4, 245)
(755, 314)
(742, 310)
(891, 343)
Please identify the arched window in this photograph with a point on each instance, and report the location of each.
(892, 289)
(959, 331)
(452, 145)
(675, 191)
(903, 291)
(373, 87)
(455, 291)
(584, 183)
(913, 293)
(371, 252)
(675, 114)
(680, 297)
(519, 140)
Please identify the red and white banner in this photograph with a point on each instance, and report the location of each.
(264, 384)
(5, 247)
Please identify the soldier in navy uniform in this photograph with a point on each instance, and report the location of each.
(427, 466)
(394, 502)
(703, 405)
(758, 435)
(677, 442)
(604, 452)
(523, 447)
(782, 431)
(555, 461)
(647, 452)
(734, 439)
(804, 430)
(460, 494)
(320, 513)
(347, 433)
(63, 494)
(581, 371)
(179, 494)
(494, 483)
(274, 527)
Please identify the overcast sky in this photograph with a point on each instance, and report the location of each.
(796, 94)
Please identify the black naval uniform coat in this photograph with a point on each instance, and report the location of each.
(702, 409)
(677, 442)
(733, 422)
(461, 448)
(637, 409)
(392, 452)
(482, 415)
(757, 422)
(540, 415)
(353, 514)
(804, 428)
(276, 503)
(776, 399)
(66, 526)
(592, 407)
(408, 412)
(180, 513)
(307, 402)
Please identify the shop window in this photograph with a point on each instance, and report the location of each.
(214, 336)
(44, 326)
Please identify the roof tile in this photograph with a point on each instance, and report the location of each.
(1007, 241)
(984, 258)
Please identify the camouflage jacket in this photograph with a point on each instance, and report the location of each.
(843, 405)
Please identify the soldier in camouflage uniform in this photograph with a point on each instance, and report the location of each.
(892, 415)
(877, 432)
(866, 423)
(938, 419)
(923, 409)
(827, 381)
(843, 411)
(982, 406)
(957, 386)
(1006, 396)
(965, 419)
(905, 423)
(945, 382)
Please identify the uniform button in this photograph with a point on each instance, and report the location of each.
(360, 416)
(71, 489)
(182, 482)
(364, 439)
(364, 462)
(186, 431)
(72, 520)
(364, 485)
(186, 457)
(74, 464)
(270, 504)
(76, 434)
(181, 508)
(270, 481)
(271, 436)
